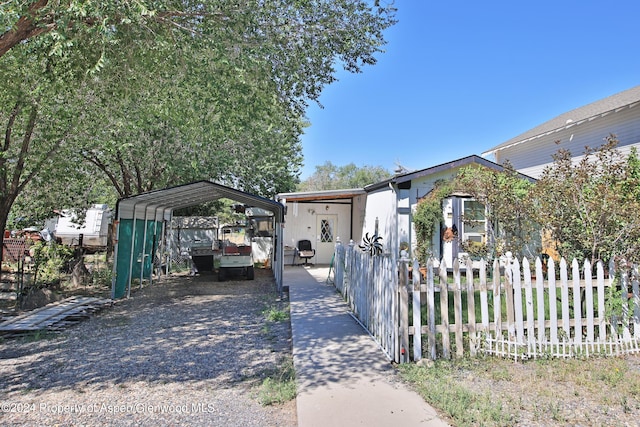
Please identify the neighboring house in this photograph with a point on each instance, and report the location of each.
(384, 209)
(321, 217)
(589, 125)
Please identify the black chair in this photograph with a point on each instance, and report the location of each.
(305, 251)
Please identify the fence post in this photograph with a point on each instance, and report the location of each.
(471, 309)
(497, 303)
(564, 291)
(528, 294)
(540, 295)
(403, 311)
(431, 310)
(508, 290)
(444, 310)
(588, 292)
(577, 302)
(457, 307)
(553, 309)
(517, 301)
(417, 315)
(635, 289)
(602, 325)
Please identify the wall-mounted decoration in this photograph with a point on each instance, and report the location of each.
(371, 244)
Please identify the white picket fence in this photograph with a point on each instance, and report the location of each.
(510, 311)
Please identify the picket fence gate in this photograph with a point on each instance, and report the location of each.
(510, 310)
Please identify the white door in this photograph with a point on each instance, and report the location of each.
(327, 225)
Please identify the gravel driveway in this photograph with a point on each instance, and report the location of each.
(185, 351)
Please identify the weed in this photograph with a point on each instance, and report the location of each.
(438, 387)
(272, 314)
(279, 386)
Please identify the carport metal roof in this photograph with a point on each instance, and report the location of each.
(160, 203)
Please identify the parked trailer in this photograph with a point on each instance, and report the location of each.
(92, 233)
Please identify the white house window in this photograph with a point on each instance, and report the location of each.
(474, 221)
(326, 231)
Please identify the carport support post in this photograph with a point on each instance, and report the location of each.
(115, 259)
(133, 241)
(144, 246)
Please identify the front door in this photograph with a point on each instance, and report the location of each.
(325, 238)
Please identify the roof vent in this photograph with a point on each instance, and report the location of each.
(568, 121)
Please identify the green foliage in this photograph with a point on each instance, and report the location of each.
(428, 217)
(331, 177)
(272, 314)
(590, 208)
(155, 95)
(509, 208)
(49, 260)
(438, 387)
(279, 386)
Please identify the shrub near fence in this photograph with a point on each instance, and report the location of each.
(509, 311)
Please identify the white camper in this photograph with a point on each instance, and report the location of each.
(94, 229)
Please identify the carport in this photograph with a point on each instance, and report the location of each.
(141, 220)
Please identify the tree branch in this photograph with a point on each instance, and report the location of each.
(26, 27)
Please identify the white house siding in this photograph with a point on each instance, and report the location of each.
(358, 215)
(301, 224)
(381, 207)
(531, 157)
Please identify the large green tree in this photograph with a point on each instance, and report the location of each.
(161, 93)
(331, 177)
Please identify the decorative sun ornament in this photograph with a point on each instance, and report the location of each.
(371, 244)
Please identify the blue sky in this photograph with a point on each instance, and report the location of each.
(460, 77)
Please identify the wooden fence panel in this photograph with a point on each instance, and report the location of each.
(431, 311)
(564, 292)
(553, 308)
(517, 302)
(417, 312)
(542, 333)
(497, 302)
(635, 290)
(528, 325)
(577, 303)
(484, 302)
(602, 326)
(457, 309)
(588, 300)
(471, 308)
(404, 314)
(444, 310)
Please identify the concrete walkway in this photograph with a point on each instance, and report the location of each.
(343, 377)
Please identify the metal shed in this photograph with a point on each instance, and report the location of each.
(140, 224)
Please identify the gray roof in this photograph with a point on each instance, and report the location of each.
(159, 202)
(624, 99)
(455, 164)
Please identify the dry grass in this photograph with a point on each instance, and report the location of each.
(498, 392)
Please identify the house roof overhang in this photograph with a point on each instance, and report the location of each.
(615, 103)
(321, 195)
(406, 178)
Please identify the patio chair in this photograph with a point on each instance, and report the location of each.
(305, 251)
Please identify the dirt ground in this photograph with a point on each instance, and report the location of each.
(186, 350)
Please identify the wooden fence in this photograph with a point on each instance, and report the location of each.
(512, 310)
